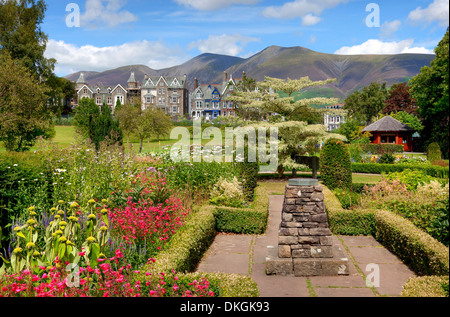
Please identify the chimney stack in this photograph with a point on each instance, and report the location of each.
(225, 77)
(195, 83)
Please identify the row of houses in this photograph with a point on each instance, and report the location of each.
(170, 94)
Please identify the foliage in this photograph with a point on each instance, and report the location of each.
(430, 89)
(347, 198)
(434, 152)
(410, 120)
(387, 158)
(400, 100)
(21, 35)
(353, 131)
(426, 286)
(227, 193)
(335, 165)
(411, 178)
(366, 104)
(432, 170)
(96, 124)
(24, 116)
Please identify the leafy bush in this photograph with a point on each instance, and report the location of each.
(381, 149)
(434, 152)
(335, 165)
(439, 227)
(426, 286)
(387, 158)
(434, 171)
(410, 178)
(227, 193)
(347, 198)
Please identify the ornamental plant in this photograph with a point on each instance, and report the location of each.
(335, 165)
(227, 193)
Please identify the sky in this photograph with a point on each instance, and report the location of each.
(98, 35)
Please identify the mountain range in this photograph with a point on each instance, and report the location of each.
(352, 72)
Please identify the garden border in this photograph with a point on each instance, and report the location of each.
(424, 254)
(379, 168)
(187, 246)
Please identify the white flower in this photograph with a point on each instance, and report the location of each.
(16, 165)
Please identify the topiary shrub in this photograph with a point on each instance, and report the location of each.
(434, 152)
(387, 159)
(335, 165)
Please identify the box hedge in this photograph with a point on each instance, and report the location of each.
(335, 165)
(188, 245)
(424, 254)
(373, 168)
(426, 286)
(244, 220)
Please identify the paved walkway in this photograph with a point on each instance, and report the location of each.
(246, 254)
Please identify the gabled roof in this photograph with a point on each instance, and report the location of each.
(85, 86)
(388, 124)
(119, 85)
(132, 79)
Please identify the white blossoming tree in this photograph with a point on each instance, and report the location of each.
(265, 103)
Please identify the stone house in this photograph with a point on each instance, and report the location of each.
(209, 100)
(167, 93)
(333, 121)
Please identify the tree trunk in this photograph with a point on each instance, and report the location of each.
(140, 148)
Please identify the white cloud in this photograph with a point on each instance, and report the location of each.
(310, 19)
(301, 8)
(378, 47)
(106, 13)
(71, 58)
(212, 5)
(437, 11)
(224, 44)
(389, 28)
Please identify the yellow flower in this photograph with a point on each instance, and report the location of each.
(74, 205)
(30, 245)
(104, 211)
(91, 201)
(73, 219)
(31, 208)
(63, 223)
(58, 232)
(63, 239)
(91, 217)
(61, 202)
(91, 239)
(104, 228)
(60, 212)
(18, 250)
(31, 222)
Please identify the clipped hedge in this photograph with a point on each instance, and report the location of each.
(426, 286)
(244, 220)
(376, 168)
(335, 165)
(381, 148)
(425, 255)
(347, 222)
(187, 246)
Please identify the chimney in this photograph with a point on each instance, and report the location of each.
(225, 77)
(195, 83)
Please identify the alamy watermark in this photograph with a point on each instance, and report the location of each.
(373, 19)
(239, 144)
(373, 278)
(73, 17)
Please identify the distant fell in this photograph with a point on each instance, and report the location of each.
(352, 72)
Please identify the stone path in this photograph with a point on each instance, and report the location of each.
(246, 254)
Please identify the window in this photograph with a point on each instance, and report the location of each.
(109, 100)
(99, 101)
(84, 91)
(174, 99)
(175, 91)
(174, 109)
(388, 138)
(207, 105)
(149, 99)
(119, 91)
(199, 104)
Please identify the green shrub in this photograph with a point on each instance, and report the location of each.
(387, 158)
(381, 149)
(410, 178)
(434, 152)
(424, 254)
(347, 198)
(248, 172)
(347, 222)
(426, 286)
(244, 220)
(335, 165)
(439, 226)
(431, 170)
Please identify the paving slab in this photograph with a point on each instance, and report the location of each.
(343, 292)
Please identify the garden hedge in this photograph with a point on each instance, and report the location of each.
(426, 286)
(186, 248)
(424, 254)
(381, 148)
(377, 168)
(244, 220)
(335, 165)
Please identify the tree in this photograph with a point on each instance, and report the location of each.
(430, 89)
(400, 100)
(127, 115)
(162, 123)
(335, 165)
(409, 119)
(366, 104)
(24, 115)
(296, 137)
(22, 36)
(95, 124)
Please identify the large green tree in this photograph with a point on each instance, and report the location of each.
(24, 115)
(21, 35)
(430, 89)
(365, 104)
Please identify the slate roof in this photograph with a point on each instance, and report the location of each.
(388, 124)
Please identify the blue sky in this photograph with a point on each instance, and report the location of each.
(164, 33)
